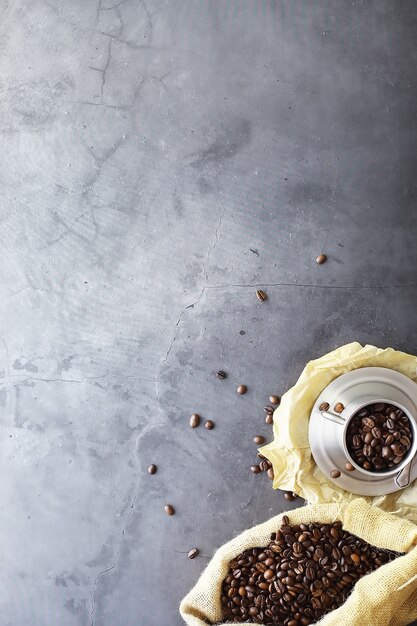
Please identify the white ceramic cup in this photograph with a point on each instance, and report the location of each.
(344, 418)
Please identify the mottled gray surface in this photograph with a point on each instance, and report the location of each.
(161, 160)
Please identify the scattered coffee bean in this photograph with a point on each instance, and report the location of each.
(322, 258)
(193, 553)
(288, 495)
(324, 406)
(261, 295)
(350, 467)
(339, 407)
(242, 389)
(269, 419)
(274, 399)
(268, 409)
(169, 509)
(195, 420)
(305, 572)
(335, 473)
(152, 469)
(255, 469)
(264, 466)
(209, 425)
(379, 436)
(270, 473)
(259, 439)
(222, 375)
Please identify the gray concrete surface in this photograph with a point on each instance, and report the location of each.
(160, 161)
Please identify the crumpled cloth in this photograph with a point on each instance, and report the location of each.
(289, 452)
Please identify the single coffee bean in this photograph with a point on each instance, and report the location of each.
(259, 439)
(242, 389)
(368, 422)
(338, 407)
(274, 399)
(169, 509)
(264, 466)
(269, 419)
(195, 420)
(324, 406)
(288, 495)
(220, 374)
(367, 450)
(261, 295)
(209, 425)
(378, 408)
(270, 473)
(152, 469)
(255, 469)
(349, 467)
(335, 473)
(193, 553)
(268, 409)
(322, 258)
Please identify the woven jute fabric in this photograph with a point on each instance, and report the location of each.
(387, 596)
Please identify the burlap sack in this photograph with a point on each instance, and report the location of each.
(388, 596)
(289, 452)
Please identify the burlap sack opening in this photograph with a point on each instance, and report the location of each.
(388, 596)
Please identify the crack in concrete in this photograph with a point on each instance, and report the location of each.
(284, 284)
(130, 44)
(75, 380)
(173, 340)
(214, 243)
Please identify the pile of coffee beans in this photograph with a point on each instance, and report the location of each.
(379, 436)
(305, 572)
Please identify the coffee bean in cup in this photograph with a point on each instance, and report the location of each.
(305, 572)
(379, 437)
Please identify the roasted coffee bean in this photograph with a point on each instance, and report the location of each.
(220, 374)
(209, 425)
(324, 406)
(274, 399)
(261, 295)
(368, 438)
(259, 439)
(349, 467)
(322, 258)
(152, 469)
(195, 420)
(367, 450)
(268, 409)
(379, 433)
(288, 495)
(193, 553)
(338, 407)
(264, 466)
(335, 473)
(265, 586)
(242, 389)
(255, 469)
(169, 509)
(368, 422)
(269, 419)
(270, 473)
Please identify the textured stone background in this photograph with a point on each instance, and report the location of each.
(161, 160)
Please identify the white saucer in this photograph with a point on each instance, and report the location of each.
(324, 435)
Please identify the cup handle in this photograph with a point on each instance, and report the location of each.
(333, 417)
(403, 477)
